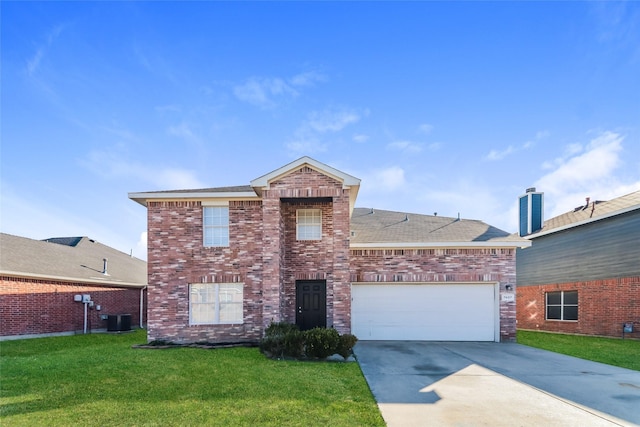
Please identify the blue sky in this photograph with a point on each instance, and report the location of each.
(448, 107)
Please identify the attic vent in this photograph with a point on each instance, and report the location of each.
(306, 169)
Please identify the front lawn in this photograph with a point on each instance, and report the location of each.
(100, 380)
(612, 351)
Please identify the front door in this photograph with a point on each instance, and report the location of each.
(311, 304)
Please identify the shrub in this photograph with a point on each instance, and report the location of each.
(282, 339)
(345, 346)
(321, 342)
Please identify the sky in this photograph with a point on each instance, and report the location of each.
(447, 107)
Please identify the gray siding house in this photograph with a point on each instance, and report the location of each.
(582, 273)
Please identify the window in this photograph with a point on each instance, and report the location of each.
(562, 305)
(309, 224)
(216, 226)
(215, 303)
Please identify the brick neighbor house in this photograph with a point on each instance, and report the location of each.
(226, 262)
(582, 273)
(40, 281)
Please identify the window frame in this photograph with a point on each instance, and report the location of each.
(217, 292)
(211, 239)
(562, 305)
(313, 229)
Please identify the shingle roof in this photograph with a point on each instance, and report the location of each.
(231, 189)
(370, 226)
(591, 212)
(70, 258)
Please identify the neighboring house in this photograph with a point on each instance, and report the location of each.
(582, 273)
(226, 262)
(41, 279)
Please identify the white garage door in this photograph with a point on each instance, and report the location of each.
(424, 312)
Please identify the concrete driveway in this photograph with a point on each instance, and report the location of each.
(421, 383)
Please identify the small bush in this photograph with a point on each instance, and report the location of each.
(346, 344)
(282, 340)
(294, 343)
(321, 342)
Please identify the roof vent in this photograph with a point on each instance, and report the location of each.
(104, 268)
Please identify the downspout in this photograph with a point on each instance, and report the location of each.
(85, 317)
(142, 305)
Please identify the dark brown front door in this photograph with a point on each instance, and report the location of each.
(311, 304)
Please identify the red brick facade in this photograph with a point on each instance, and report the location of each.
(38, 307)
(265, 255)
(443, 265)
(603, 306)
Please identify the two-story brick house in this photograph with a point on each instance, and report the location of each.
(226, 262)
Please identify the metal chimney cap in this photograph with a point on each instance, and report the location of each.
(531, 190)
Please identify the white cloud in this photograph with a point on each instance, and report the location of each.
(501, 154)
(307, 146)
(425, 128)
(112, 165)
(263, 92)
(331, 120)
(360, 138)
(588, 172)
(389, 179)
(33, 63)
(142, 243)
(405, 146)
(307, 138)
(267, 92)
(307, 79)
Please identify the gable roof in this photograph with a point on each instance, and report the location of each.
(346, 179)
(590, 212)
(373, 228)
(254, 190)
(78, 259)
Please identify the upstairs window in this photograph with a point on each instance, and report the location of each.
(562, 305)
(309, 224)
(216, 226)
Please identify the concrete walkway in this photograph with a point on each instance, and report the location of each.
(495, 384)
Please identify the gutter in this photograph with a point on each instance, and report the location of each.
(439, 245)
(579, 223)
(117, 284)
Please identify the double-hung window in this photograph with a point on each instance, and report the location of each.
(215, 303)
(562, 305)
(309, 224)
(216, 225)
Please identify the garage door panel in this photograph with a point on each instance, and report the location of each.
(424, 312)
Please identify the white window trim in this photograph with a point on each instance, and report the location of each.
(211, 227)
(318, 224)
(216, 305)
(562, 305)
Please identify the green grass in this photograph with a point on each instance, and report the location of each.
(100, 380)
(612, 351)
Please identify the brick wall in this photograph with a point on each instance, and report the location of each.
(43, 307)
(177, 257)
(325, 259)
(442, 265)
(603, 306)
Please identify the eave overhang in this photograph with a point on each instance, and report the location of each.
(440, 245)
(92, 281)
(143, 198)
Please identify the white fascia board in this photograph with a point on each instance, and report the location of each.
(583, 222)
(346, 179)
(432, 245)
(143, 197)
(96, 281)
